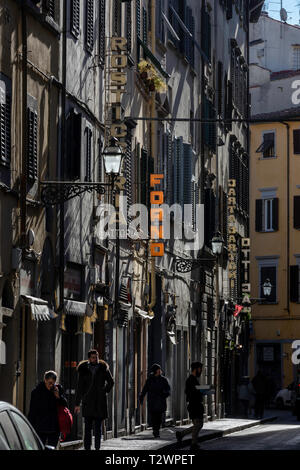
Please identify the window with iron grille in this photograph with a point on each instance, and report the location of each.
(117, 18)
(89, 25)
(88, 155)
(5, 125)
(32, 149)
(75, 17)
(102, 44)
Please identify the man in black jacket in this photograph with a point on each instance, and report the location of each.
(94, 382)
(158, 389)
(43, 414)
(194, 400)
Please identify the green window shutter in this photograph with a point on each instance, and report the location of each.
(89, 28)
(75, 17)
(143, 182)
(5, 124)
(129, 26)
(138, 17)
(32, 146)
(145, 26)
(88, 156)
(102, 40)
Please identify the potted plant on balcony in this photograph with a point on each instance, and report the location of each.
(151, 78)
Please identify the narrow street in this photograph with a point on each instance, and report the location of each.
(282, 434)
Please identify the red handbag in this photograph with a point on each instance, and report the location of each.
(65, 420)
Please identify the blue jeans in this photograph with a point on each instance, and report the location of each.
(89, 421)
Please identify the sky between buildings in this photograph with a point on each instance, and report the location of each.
(292, 7)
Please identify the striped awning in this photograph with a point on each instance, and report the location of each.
(40, 310)
(79, 309)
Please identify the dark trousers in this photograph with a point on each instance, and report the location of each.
(259, 405)
(156, 421)
(245, 405)
(89, 422)
(51, 439)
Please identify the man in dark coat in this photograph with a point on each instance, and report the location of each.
(43, 414)
(260, 385)
(94, 382)
(194, 398)
(158, 389)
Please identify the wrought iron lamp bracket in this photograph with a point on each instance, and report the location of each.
(58, 192)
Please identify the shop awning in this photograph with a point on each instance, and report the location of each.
(40, 310)
(143, 313)
(80, 309)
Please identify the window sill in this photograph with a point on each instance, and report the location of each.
(267, 158)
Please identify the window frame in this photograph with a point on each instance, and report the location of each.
(268, 262)
(263, 157)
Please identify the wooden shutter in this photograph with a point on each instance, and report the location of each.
(275, 207)
(294, 283)
(49, 8)
(73, 146)
(187, 173)
(296, 135)
(129, 26)
(297, 212)
(229, 107)
(144, 183)
(128, 170)
(117, 20)
(100, 170)
(178, 171)
(145, 26)
(32, 153)
(138, 17)
(75, 17)
(258, 215)
(89, 30)
(88, 166)
(102, 42)
(220, 88)
(5, 124)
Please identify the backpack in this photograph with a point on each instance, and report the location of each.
(65, 421)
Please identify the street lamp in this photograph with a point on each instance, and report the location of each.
(113, 156)
(267, 287)
(217, 243)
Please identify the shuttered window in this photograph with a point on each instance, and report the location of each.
(147, 167)
(129, 170)
(5, 129)
(220, 88)
(297, 212)
(129, 26)
(229, 106)
(267, 148)
(73, 146)
(294, 283)
(75, 17)
(88, 154)
(100, 162)
(206, 33)
(89, 29)
(145, 26)
(160, 25)
(229, 9)
(117, 20)
(49, 8)
(209, 216)
(296, 136)
(209, 128)
(102, 45)
(138, 18)
(32, 149)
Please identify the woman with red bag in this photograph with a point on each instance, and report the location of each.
(46, 400)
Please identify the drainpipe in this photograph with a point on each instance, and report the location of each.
(153, 146)
(288, 218)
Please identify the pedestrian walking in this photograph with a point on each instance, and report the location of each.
(94, 383)
(194, 398)
(244, 395)
(43, 410)
(260, 386)
(157, 389)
